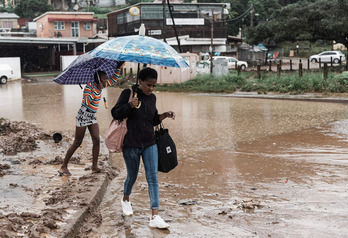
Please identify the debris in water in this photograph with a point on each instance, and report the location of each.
(189, 202)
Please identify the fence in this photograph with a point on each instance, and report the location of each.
(300, 65)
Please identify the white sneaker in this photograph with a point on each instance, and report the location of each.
(158, 222)
(126, 208)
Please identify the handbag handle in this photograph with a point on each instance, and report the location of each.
(160, 126)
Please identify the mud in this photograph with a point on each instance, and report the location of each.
(19, 137)
(36, 202)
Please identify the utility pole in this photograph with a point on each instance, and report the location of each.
(176, 33)
(211, 40)
(164, 21)
(251, 16)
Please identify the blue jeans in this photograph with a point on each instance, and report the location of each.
(131, 157)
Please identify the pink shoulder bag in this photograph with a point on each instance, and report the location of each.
(116, 132)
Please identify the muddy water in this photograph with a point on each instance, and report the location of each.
(248, 167)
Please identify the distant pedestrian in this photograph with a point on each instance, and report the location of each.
(86, 118)
(142, 116)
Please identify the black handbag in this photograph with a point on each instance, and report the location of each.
(167, 158)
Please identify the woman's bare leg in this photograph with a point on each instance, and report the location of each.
(79, 135)
(94, 130)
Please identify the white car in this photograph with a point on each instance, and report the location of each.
(231, 62)
(6, 72)
(327, 55)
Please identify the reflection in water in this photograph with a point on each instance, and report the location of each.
(203, 121)
(11, 100)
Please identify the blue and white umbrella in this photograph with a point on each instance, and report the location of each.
(140, 49)
(135, 48)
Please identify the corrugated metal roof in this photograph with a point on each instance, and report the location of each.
(63, 13)
(8, 15)
(36, 40)
(72, 19)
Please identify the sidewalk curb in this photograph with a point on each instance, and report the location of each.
(308, 98)
(72, 230)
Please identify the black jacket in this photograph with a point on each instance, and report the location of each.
(140, 121)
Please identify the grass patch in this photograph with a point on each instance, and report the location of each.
(310, 82)
(207, 83)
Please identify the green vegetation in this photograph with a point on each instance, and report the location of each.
(305, 20)
(32, 8)
(98, 10)
(287, 83)
(207, 83)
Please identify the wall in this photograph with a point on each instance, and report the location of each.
(66, 60)
(15, 63)
(14, 23)
(169, 75)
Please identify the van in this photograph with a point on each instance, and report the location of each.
(6, 72)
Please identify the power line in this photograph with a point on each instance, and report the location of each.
(246, 12)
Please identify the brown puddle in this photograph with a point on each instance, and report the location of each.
(247, 167)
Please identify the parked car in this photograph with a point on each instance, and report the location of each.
(231, 62)
(6, 72)
(326, 57)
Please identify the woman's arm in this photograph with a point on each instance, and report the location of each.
(165, 115)
(122, 108)
(111, 81)
(160, 117)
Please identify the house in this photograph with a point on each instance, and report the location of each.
(7, 3)
(66, 24)
(193, 24)
(8, 21)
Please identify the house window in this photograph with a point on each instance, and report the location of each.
(7, 24)
(59, 25)
(75, 29)
(87, 26)
(121, 18)
(152, 12)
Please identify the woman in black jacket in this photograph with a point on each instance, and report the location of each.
(142, 116)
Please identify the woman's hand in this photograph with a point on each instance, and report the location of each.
(134, 102)
(170, 114)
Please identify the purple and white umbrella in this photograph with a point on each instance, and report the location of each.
(82, 69)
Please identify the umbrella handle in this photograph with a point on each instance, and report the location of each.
(139, 103)
(105, 103)
(98, 77)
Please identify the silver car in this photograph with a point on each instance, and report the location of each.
(327, 55)
(231, 62)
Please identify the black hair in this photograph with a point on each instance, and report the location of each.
(100, 73)
(147, 73)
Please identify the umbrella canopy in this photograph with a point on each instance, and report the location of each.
(82, 69)
(135, 48)
(140, 49)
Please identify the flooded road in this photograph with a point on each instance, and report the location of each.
(247, 167)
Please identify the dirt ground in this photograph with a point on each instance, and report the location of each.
(36, 201)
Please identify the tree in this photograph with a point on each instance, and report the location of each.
(32, 8)
(305, 20)
(239, 14)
